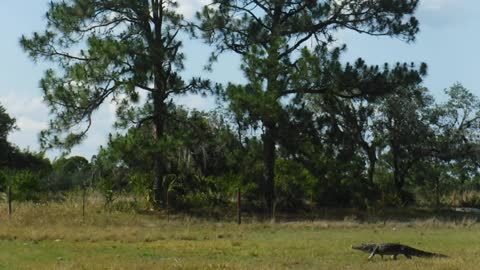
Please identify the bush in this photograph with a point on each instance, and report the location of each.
(25, 186)
(142, 186)
(464, 199)
(293, 184)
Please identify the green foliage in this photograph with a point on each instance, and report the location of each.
(25, 175)
(4, 180)
(141, 184)
(21, 170)
(270, 36)
(110, 177)
(25, 185)
(110, 51)
(107, 50)
(69, 173)
(107, 186)
(305, 128)
(294, 184)
(7, 124)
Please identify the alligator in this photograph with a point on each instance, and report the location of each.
(395, 249)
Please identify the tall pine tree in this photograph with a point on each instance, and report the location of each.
(109, 51)
(271, 37)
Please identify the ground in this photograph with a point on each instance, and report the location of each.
(56, 236)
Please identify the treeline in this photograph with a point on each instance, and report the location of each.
(305, 129)
(400, 149)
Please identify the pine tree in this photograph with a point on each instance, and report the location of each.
(110, 51)
(271, 36)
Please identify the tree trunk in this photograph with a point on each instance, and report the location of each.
(158, 118)
(399, 182)
(157, 52)
(372, 160)
(399, 178)
(398, 175)
(269, 139)
(436, 189)
(371, 170)
(270, 120)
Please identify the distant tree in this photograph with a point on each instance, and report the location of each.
(328, 136)
(271, 35)
(110, 174)
(351, 122)
(456, 124)
(29, 160)
(21, 171)
(24, 173)
(110, 51)
(71, 164)
(7, 125)
(404, 127)
(68, 173)
(13, 158)
(196, 146)
(439, 151)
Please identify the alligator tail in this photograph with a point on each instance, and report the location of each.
(421, 253)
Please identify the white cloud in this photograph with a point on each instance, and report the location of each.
(441, 13)
(196, 102)
(439, 4)
(22, 105)
(189, 7)
(28, 124)
(30, 114)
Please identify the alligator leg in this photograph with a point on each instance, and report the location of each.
(373, 253)
(408, 256)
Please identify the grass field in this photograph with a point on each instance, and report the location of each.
(55, 236)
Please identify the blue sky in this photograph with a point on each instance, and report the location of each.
(448, 42)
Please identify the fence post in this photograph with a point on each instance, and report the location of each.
(84, 193)
(167, 205)
(9, 199)
(239, 206)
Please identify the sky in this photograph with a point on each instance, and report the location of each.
(448, 42)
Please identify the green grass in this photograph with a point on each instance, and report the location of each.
(55, 236)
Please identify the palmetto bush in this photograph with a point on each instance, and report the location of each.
(470, 198)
